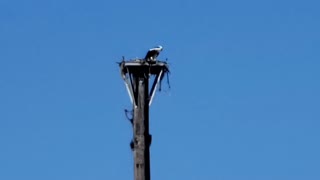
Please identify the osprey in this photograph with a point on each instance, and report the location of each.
(153, 53)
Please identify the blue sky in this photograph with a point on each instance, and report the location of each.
(243, 104)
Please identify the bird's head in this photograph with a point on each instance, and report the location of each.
(160, 47)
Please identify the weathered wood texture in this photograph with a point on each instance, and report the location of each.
(141, 137)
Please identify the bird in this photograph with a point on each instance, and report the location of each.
(153, 53)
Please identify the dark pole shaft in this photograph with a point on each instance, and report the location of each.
(141, 136)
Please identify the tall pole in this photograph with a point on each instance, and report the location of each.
(141, 136)
(136, 74)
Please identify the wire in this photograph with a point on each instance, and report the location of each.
(129, 113)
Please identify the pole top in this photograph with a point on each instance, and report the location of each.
(141, 68)
(139, 65)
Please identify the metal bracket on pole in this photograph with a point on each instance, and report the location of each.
(133, 90)
(130, 92)
(136, 66)
(154, 86)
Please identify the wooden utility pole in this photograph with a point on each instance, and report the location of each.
(141, 136)
(136, 74)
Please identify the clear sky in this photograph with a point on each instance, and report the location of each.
(244, 102)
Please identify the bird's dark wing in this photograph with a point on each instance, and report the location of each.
(150, 54)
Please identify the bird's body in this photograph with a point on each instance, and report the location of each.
(153, 53)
